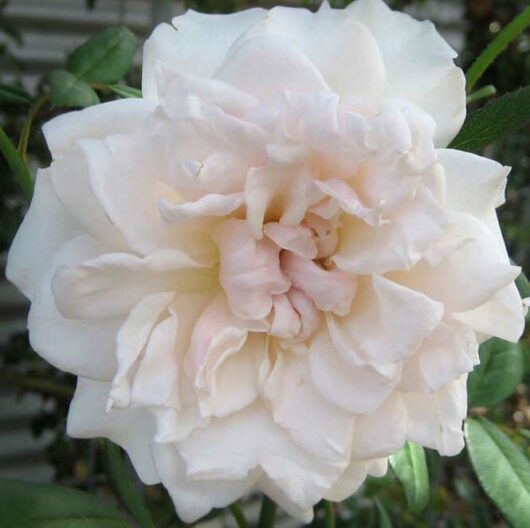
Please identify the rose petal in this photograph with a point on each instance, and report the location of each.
(46, 227)
(249, 270)
(84, 347)
(130, 428)
(156, 380)
(358, 390)
(316, 425)
(330, 290)
(387, 323)
(435, 420)
(398, 244)
(266, 65)
(419, 65)
(182, 46)
(474, 184)
(132, 336)
(298, 239)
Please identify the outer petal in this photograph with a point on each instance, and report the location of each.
(316, 425)
(196, 44)
(113, 283)
(467, 276)
(266, 65)
(450, 351)
(129, 186)
(85, 348)
(501, 316)
(474, 184)
(130, 428)
(355, 389)
(350, 481)
(382, 433)
(387, 323)
(95, 122)
(250, 439)
(194, 498)
(70, 177)
(419, 65)
(435, 420)
(250, 270)
(344, 51)
(46, 227)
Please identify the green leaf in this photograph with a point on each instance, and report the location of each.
(502, 469)
(383, 519)
(503, 115)
(106, 57)
(125, 91)
(486, 91)
(497, 376)
(16, 164)
(496, 47)
(410, 468)
(523, 285)
(25, 505)
(13, 94)
(68, 91)
(119, 481)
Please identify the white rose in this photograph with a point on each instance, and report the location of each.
(269, 273)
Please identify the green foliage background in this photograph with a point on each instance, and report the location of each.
(456, 498)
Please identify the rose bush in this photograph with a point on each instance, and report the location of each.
(269, 272)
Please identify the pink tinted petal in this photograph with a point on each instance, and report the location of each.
(328, 289)
(298, 239)
(215, 337)
(286, 321)
(310, 317)
(250, 271)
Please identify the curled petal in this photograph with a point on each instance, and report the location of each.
(130, 341)
(249, 270)
(156, 380)
(399, 244)
(209, 205)
(298, 239)
(286, 321)
(348, 200)
(468, 276)
(387, 323)
(330, 290)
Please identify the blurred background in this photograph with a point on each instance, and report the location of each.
(35, 38)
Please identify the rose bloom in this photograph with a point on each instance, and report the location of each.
(269, 272)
